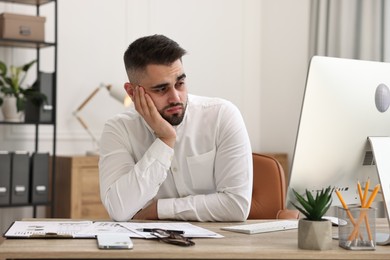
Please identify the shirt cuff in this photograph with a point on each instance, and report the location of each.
(165, 208)
(162, 152)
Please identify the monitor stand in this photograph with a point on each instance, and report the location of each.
(381, 151)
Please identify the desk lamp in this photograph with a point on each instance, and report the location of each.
(117, 93)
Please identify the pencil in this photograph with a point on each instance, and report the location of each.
(353, 234)
(363, 215)
(360, 192)
(355, 231)
(372, 197)
(345, 207)
(368, 227)
(365, 192)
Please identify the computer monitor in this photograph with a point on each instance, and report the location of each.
(345, 102)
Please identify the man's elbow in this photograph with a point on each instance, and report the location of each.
(244, 213)
(117, 212)
(118, 217)
(241, 210)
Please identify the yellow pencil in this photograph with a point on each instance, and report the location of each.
(341, 199)
(368, 227)
(363, 215)
(360, 192)
(345, 207)
(365, 192)
(372, 197)
(362, 204)
(355, 232)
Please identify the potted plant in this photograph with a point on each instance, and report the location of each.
(314, 232)
(14, 96)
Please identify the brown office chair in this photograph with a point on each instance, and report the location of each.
(269, 190)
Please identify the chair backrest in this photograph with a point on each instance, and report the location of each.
(269, 188)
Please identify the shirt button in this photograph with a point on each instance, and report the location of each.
(174, 169)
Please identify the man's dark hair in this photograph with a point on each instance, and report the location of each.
(154, 49)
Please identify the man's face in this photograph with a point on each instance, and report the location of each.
(167, 87)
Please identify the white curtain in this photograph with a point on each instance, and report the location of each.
(353, 29)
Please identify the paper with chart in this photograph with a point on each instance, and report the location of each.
(26, 229)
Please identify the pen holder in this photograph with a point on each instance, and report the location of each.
(357, 228)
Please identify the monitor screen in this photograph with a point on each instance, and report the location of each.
(344, 103)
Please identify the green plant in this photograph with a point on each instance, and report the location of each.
(11, 85)
(314, 208)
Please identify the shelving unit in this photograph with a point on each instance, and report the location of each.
(37, 46)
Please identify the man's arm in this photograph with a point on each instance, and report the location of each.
(126, 186)
(146, 108)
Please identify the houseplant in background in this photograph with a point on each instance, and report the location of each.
(14, 95)
(314, 232)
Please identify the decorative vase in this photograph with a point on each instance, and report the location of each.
(10, 111)
(314, 235)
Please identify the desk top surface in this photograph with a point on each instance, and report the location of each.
(275, 245)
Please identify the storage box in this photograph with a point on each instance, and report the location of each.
(22, 27)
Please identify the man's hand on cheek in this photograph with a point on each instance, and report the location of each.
(146, 108)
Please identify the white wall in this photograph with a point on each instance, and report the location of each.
(251, 52)
(284, 62)
(221, 43)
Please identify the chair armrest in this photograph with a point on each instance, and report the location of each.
(287, 214)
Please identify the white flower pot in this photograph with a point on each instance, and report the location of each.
(9, 110)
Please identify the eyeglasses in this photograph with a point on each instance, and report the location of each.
(170, 237)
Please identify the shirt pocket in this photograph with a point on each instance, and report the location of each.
(201, 168)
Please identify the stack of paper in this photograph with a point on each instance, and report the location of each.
(90, 229)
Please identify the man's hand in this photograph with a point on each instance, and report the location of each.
(150, 212)
(146, 108)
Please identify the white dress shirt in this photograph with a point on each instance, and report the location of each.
(206, 177)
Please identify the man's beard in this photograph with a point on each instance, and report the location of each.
(175, 119)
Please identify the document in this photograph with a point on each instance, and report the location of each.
(43, 229)
(99, 228)
(90, 229)
(187, 229)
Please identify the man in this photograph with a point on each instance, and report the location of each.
(173, 155)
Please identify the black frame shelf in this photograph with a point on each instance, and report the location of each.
(25, 123)
(25, 205)
(37, 46)
(15, 43)
(33, 205)
(28, 2)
